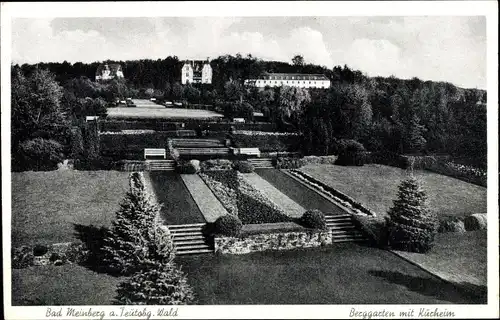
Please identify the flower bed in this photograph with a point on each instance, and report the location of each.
(241, 199)
(272, 240)
(54, 254)
(463, 172)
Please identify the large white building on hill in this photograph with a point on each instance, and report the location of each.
(300, 80)
(108, 71)
(196, 71)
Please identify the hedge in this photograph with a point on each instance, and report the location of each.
(288, 163)
(228, 225)
(244, 166)
(314, 219)
(216, 164)
(266, 143)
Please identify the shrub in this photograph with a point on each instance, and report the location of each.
(376, 228)
(244, 167)
(188, 167)
(76, 253)
(228, 225)
(288, 163)
(452, 224)
(91, 141)
(55, 256)
(475, 221)
(319, 160)
(40, 250)
(160, 284)
(350, 152)
(40, 154)
(22, 257)
(412, 226)
(314, 219)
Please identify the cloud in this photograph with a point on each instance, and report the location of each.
(431, 48)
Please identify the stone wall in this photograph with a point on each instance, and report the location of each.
(272, 241)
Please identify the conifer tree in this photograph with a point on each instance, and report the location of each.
(136, 237)
(412, 226)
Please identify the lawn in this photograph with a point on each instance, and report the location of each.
(302, 195)
(62, 285)
(456, 257)
(179, 206)
(46, 205)
(343, 274)
(160, 113)
(376, 187)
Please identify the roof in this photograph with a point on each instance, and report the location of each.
(113, 67)
(197, 64)
(292, 76)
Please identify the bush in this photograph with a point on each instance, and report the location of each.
(228, 225)
(188, 167)
(313, 219)
(40, 154)
(244, 167)
(160, 284)
(288, 163)
(319, 160)
(348, 145)
(76, 253)
(476, 221)
(55, 256)
(22, 257)
(350, 153)
(40, 250)
(452, 224)
(412, 226)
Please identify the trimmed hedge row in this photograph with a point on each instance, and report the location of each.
(190, 124)
(266, 143)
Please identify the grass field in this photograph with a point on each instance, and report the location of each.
(46, 205)
(161, 113)
(178, 205)
(376, 187)
(62, 285)
(302, 195)
(456, 257)
(344, 274)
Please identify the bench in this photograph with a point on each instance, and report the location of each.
(249, 151)
(155, 153)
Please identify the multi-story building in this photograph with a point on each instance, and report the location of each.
(196, 71)
(300, 80)
(108, 71)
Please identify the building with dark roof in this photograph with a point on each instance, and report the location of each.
(301, 80)
(196, 71)
(109, 71)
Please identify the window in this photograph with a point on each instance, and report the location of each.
(187, 74)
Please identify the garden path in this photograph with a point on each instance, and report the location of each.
(209, 205)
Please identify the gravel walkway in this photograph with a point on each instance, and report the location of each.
(209, 205)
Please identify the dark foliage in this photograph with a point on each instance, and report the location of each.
(40, 250)
(313, 219)
(228, 225)
(38, 154)
(244, 166)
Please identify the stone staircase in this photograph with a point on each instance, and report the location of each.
(261, 163)
(343, 229)
(160, 165)
(189, 239)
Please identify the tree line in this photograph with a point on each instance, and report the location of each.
(384, 114)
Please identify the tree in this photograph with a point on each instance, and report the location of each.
(39, 154)
(177, 91)
(160, 284)
(233, 91)
(412, 226)
(136, 239)
(415, 140)
(36, 106)
(298, 60)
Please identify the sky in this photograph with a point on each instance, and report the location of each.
(448, 48)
